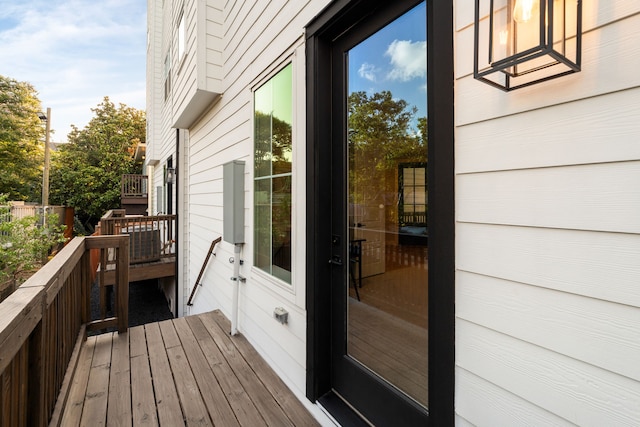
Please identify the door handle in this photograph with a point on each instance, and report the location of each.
(335, 260)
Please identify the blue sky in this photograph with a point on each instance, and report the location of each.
(394, 59)
(75, 52)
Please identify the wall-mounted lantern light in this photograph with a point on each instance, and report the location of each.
(522, 42)
(171, 175)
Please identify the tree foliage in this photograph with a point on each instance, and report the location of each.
(272, 145)
(24, 245)
(21, 136)
(86, 173)
(381, 136)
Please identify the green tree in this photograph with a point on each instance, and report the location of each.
(86, 173)
(24, 245)
(422, 128)
(21, 136)
(381, 135)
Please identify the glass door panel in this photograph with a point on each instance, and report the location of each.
(387, 327)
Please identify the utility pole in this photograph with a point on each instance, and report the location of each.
(47, 160)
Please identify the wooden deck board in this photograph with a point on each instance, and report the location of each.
(95, 402)
(137, 342)
(243, 407)
(166, 395)
(294, 409)
(119, 405)
(182, 371)
(214, 398)
(75, 403)
(262, 399)
(143, 406)
(169, 334)
(195, 411)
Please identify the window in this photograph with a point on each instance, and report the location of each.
(167, 75)
(273, 103)
(412, 206)
(182, 36)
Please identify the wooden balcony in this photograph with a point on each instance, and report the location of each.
(44, 322)
(134, 194)
(186, 371)
(152, 244)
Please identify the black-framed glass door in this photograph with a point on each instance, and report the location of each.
(379, 280)
(380, 241)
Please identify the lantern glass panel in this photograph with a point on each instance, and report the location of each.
(527, 40)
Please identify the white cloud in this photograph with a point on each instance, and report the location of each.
(74, 53)
(409, 59)
(368, 71)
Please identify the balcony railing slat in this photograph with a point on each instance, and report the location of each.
(23, 312)
(63, 397)
(134, 185)
(151, 237)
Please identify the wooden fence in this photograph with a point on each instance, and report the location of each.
(42, 325)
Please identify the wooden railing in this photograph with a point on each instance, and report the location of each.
(152, 237)
(42, 325)
(413, 218)
(134, 186)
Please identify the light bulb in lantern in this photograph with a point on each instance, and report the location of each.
(503, 36)
(524, 9)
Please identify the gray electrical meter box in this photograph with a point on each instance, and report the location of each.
(233, 201)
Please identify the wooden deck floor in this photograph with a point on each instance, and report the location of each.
(185, 371)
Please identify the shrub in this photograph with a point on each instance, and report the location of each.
(25, 245)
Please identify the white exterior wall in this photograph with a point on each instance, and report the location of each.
(548, 235)
(161, 138)
(154, 75)
(258, 38)
(161, 141)
(547, 211)
(154, 99)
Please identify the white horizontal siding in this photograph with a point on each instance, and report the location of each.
(602, 197)
(597, 13)
(256, 38)
(287, 356)
(267, 35)
(225, 134)
(184, 69)
(213, 42)
(599, 265)
(580, 393)
(594, 331)
(489, 405)
(548, 235)
(610, 58)
(594, 130)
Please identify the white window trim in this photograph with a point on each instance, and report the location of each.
(295, 291)
(166, 75)
(181, 29)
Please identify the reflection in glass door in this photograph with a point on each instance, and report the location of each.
(387, 328)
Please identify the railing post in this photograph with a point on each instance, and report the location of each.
(122, 284)
(85, 286)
